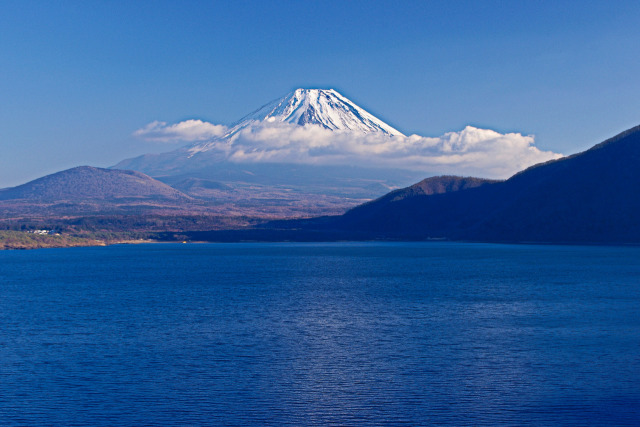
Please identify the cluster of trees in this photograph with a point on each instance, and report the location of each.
(10, 239)
(129, 223)
(110, 229)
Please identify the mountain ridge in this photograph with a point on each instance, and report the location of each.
(587, 197)
(88, 182)
(90, 189)
(328, 188)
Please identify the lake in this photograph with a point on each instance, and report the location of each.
(314, 334)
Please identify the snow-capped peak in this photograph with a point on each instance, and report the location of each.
(324, 107)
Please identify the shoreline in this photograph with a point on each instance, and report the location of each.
(20, 240)
(85, 242)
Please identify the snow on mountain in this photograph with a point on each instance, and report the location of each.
(324, 107)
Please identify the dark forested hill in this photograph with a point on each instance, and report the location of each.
(592, 196)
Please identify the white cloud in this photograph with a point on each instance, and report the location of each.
(186, 131)
(472, 151)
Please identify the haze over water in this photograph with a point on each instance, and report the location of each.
(346, 333)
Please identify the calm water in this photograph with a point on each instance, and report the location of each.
(311, 334)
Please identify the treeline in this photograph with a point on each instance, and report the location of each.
(18, 233)
(25, 240)
(141, 224)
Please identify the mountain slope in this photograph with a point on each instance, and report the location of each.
(434, 185)
(324, 107)
(280, 188)
(90, 183)
(588, 197)
(83, 190)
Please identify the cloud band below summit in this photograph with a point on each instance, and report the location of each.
(471, 151)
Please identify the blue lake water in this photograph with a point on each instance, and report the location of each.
(315, 334)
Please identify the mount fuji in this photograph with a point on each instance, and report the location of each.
(326, 108)
(314, 151)
(323, 108)
(212, 170)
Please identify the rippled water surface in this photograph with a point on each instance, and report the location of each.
(314, 334)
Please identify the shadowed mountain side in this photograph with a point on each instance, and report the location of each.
(431, 186)
(588, 197)
(396, 213)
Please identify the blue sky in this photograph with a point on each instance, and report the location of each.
(78, 78)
